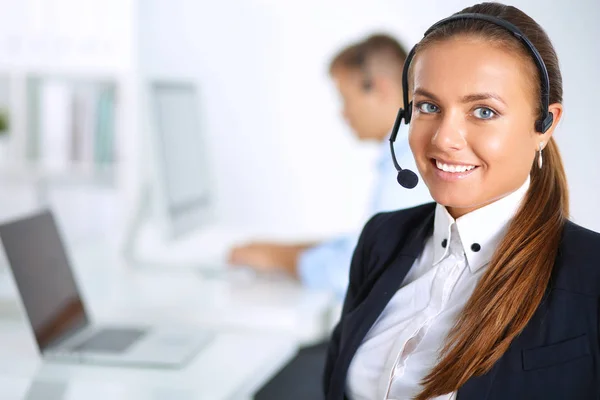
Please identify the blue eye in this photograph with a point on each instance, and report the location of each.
(484, 113)
(428, 108)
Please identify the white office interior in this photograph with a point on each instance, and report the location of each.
(92, 92)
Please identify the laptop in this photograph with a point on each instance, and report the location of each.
(57, 314)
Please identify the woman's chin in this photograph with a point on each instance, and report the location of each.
(452, 200)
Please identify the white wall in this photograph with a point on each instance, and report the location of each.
(277, 147)
(283, 158)
(75, 35)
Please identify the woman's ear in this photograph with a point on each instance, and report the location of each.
(556, 109)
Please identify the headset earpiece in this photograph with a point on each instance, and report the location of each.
(542, 125)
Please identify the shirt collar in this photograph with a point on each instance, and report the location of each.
(479, 231)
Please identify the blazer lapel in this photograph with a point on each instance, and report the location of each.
(387, 278)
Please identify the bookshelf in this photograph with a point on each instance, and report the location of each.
(66, 128)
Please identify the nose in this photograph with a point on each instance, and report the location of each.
(450, 133)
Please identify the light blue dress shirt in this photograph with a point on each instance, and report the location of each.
(327, 265)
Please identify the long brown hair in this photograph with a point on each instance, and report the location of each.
(516, 279)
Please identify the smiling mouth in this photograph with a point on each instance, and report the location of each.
(453, 168)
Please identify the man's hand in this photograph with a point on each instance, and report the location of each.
(265, 256)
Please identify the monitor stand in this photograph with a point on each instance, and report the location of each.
(129, 249)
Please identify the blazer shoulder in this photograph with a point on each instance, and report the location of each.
(578, 264)
(400, 220)
(403, 229)
(576, 237)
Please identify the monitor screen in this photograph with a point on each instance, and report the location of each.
(43, 275)
(181, 165)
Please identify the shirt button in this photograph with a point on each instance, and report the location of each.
(444, 243)
(475, 247)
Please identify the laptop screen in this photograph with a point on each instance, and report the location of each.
(43, 275)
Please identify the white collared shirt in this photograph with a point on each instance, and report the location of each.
(403, 345)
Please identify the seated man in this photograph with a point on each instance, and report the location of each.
(368, 77)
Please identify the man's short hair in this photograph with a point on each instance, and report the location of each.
(378, 52)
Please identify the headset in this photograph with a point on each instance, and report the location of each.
(408, 178)
(367, 79)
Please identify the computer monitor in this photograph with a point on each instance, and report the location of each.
(182, 187)
(176, 192)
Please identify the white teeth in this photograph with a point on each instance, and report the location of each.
(453, 168)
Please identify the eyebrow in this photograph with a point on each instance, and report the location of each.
(465, 99)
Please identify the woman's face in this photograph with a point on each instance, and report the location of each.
(472, 128)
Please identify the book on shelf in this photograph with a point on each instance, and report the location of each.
(73, 125)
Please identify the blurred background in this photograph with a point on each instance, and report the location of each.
(74, 116)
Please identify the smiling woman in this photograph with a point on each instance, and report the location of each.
(490, 292)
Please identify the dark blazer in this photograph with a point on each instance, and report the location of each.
(557, 356)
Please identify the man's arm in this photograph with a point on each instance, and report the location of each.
(327, 265)
(267, 256)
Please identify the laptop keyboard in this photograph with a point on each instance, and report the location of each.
(109, 340)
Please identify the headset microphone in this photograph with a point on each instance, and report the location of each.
(406, 177)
